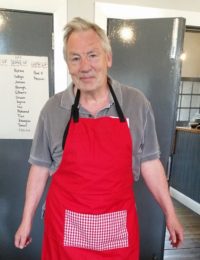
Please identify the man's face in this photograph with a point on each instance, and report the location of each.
(87, 61)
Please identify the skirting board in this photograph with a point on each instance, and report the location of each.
(189, 203)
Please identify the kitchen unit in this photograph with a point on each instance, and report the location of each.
(185, 171)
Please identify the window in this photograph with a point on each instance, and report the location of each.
(189, 100)
(189, 94)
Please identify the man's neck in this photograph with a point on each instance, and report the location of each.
(94, 101)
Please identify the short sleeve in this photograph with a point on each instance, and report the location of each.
(40, 151)
(150, 147)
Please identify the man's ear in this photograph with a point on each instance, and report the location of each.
(109, 60)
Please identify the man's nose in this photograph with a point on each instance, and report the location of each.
(85, 64)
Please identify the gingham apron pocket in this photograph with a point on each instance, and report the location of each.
(96, 232)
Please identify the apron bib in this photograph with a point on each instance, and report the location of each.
(90, 207)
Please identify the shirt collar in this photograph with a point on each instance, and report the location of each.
(68, 97)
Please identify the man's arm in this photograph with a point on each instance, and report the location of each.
(36, 183)
(155, 179)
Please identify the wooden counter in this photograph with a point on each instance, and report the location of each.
(188, 129)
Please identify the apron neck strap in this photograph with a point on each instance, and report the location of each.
(75, 109)
(117, 105)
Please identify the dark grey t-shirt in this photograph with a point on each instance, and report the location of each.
(47, 144)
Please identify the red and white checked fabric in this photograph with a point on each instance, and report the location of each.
(96, 232)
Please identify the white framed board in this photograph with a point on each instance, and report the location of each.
(24, 88)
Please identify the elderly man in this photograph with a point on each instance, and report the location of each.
(95, 137)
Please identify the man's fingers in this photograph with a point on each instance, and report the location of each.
(21, 242)
(172, 238)
(175, 239)
(28, 241)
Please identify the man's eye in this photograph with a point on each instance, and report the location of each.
(93, 56)
(75, 59)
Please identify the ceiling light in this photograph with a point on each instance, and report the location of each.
(126, 34)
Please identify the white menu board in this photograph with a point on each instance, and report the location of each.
(24, 89)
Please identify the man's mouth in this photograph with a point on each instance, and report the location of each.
(86, 78)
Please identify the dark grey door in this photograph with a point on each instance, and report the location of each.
(151, 63)
(22, 33)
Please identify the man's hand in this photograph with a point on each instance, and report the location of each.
(155, 179)
(22, 236)
(36, 183)
(175, 230)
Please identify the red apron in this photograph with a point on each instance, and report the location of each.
(90, 207)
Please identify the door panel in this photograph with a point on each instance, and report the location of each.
(150, 62)
(22, 33)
